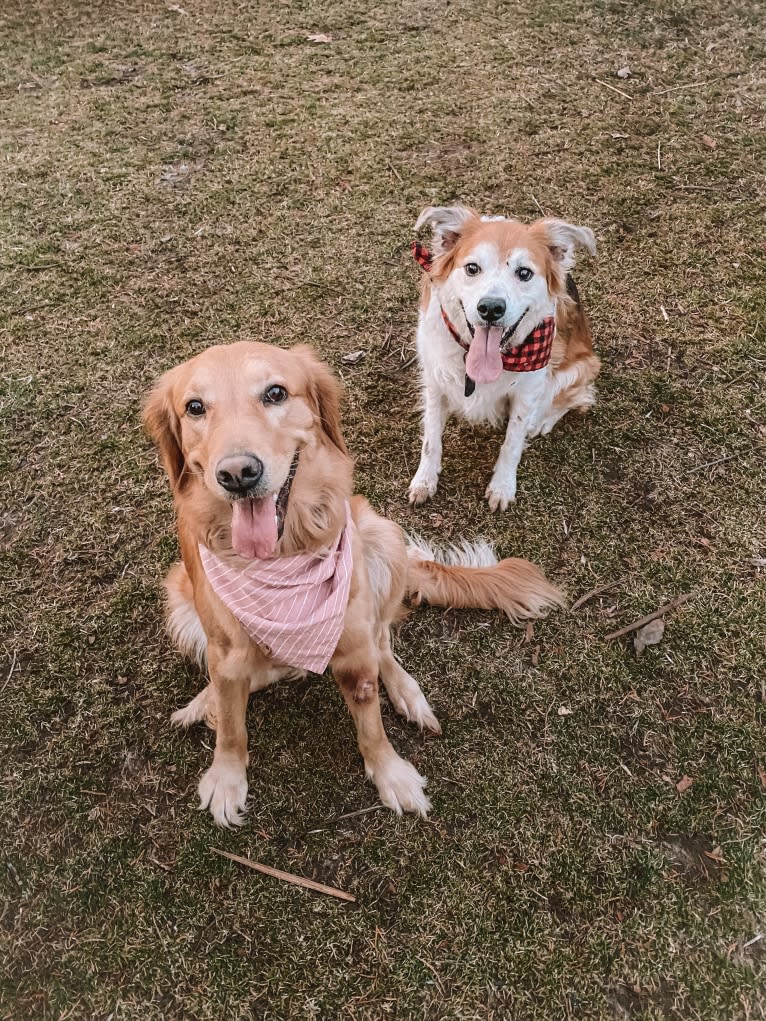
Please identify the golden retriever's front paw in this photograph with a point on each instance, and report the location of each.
(500, 494)
(411, 703)
(223, 791)
(400, 786)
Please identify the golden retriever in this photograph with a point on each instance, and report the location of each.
(502, 335)
(251, 441)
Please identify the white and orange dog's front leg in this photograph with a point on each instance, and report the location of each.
(426, 479)
(526, 410)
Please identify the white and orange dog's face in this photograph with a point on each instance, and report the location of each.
(502, 276)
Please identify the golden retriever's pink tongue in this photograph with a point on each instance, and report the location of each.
(484, 362)
(254, 527)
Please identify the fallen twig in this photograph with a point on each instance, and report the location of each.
(709, 464)
(689, 85)
(288, 877)
(346, 815)
(595, 592)
(613, 88)
(395, 172)
(10, 673)
(672, 605)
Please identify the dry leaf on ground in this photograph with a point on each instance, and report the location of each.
(319, 37)
(684, 784)
(353, 357)
(649, 634)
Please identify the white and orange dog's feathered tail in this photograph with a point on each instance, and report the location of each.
(471, 576)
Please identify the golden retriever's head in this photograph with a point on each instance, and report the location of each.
(232, 419)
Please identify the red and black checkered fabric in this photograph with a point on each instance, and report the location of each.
(535, 352)
(422, 255)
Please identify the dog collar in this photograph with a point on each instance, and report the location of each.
(284, 494)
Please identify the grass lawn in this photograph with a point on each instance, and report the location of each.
(174, 175)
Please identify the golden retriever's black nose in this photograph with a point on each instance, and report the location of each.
(240, 473)
(491, 309)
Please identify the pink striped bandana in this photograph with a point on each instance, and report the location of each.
(291, 606)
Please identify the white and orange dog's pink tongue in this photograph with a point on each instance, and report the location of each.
(254, 527)
(484, 362)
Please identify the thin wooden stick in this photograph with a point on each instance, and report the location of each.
(346, 815)
(288, 877)
(709, 464)
(672, 605)
(613, 88)
(596, 592)
(395, 172)
(690, 85)
(10, 674)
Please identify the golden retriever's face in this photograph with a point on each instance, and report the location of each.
(234, 417)
(243, 411)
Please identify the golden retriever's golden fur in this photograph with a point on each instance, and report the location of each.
(230, 383)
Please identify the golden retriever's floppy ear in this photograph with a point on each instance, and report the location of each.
(162, 425)
(324, 392)
(447, 223)
(563, 238)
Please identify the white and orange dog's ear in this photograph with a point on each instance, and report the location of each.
(564, 238)
(447, 223)
(162, 424)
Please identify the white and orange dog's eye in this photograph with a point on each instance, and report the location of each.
(472, 269)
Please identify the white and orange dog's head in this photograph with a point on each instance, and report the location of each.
(504, 276)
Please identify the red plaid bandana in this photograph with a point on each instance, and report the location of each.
(532, 354)
(535, 352)
(422, 255)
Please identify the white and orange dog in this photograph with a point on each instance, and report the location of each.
(284, 572)
(501, 335)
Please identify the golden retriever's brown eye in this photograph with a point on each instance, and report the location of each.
(275, 395)
(195, 408)
(472, 269)
(524, 273)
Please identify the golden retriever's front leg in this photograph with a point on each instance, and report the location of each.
(223, 788)
(355, 669)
